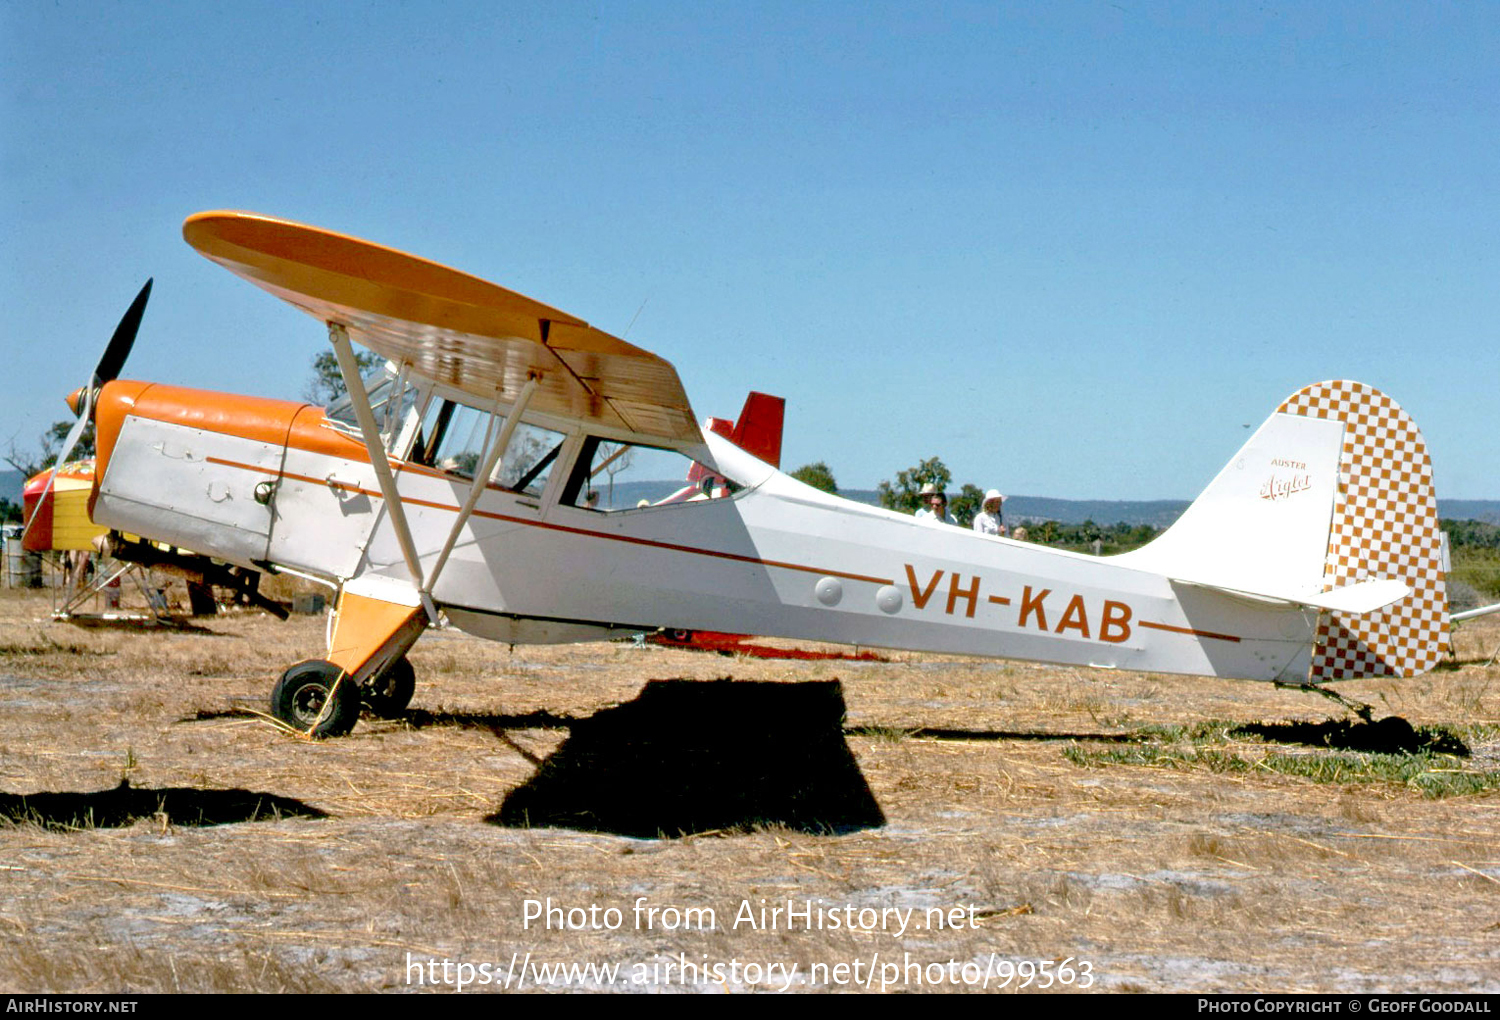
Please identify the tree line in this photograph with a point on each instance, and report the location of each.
(904, 496)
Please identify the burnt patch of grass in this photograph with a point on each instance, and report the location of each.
(40, 643)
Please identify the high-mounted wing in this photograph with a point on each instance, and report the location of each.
(449, 326)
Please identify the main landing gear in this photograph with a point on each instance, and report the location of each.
(317, 698)
(366, 664)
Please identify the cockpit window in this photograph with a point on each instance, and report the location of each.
(529, 459)
(454, 438)
(613, 476)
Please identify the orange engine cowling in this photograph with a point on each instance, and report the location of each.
(191, 468)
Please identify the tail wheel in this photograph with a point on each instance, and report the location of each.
(310, 698)
(388, 694)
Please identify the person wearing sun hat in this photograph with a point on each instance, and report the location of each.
(934, 505)
(988, 520)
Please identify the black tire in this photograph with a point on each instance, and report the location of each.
(388, 694)
(299, 696)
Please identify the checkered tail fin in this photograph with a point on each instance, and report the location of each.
(1384, 526)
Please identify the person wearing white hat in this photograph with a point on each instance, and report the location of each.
(934, 505)
(988, 521)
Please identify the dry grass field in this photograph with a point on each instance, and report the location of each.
(1124, 831)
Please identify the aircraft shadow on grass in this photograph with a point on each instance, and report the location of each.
(1390, 735)
(125, 805)
(689, 756)
(141, 625)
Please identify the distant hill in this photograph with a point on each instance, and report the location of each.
(1487, 510)
(625, 495)
(1024, 509)
(1158, 513)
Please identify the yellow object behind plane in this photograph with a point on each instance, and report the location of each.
(64, 522)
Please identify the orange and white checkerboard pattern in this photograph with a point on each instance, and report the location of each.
(1385, 525)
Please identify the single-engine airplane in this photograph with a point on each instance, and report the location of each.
(499, 471)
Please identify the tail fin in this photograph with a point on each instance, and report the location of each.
(1385, 524)
(758, 430)
(1330, 504)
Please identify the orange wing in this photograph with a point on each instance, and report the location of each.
(449, 326)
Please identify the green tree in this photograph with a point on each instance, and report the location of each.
(905, 494)
(1471, 534)
(968, 502)
(818, 476)
(1112, 539)
(328, 383)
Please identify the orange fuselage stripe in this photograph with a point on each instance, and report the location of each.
(1187, 630)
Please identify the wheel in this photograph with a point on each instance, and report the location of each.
(299, 696)
(390, 692)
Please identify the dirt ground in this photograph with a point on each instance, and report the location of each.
(542, 815)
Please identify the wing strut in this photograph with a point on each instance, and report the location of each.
(482, 478)
(360, 400)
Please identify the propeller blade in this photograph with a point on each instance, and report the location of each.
(74, 434)
(124, 338)
(107, 370)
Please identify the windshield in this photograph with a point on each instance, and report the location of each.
(390, 407)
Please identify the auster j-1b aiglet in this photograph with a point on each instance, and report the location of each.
(504, 469)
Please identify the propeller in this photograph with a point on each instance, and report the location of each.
(82, 400)
(123, 340)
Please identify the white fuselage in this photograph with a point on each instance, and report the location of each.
(776, 558)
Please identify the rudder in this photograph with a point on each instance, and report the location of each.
(1384, 524)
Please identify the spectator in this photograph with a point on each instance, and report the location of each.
(936, 506)
(988, 521)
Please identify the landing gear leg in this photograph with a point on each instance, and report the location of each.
(389, 692)
(366, 661)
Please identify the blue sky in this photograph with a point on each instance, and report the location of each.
(1073, 249)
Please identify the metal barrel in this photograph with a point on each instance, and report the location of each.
(23, 569)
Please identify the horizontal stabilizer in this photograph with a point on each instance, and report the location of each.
(1358, 598)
